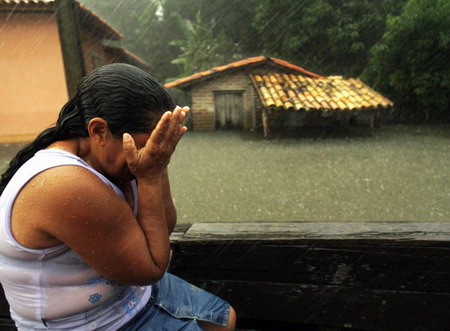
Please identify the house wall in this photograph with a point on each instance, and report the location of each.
(32, 85)
(202, 96)
(94, 54)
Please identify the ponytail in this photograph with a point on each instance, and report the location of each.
(46, 137)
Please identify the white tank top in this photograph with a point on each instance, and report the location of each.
(53, 288)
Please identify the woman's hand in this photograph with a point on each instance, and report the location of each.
(154, 157)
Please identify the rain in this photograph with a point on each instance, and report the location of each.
(396, 170)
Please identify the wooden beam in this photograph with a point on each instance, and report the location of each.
(266, 123)
(68, 26)
(248, 231)
(371, 276)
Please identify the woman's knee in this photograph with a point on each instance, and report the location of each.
(231, 319)
(207, 326)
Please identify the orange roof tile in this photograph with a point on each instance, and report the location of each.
(299, 92)
(186, 81)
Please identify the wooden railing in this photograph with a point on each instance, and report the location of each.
(369, 276)
(318, 275)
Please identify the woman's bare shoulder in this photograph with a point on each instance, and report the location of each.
(57, 196)
(73, 189)
(71, 178)
(65, 186)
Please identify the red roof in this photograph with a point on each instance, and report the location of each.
(243, 63)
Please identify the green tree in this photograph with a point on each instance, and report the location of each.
(411, 62)
(200, 48)
(327, 36)
(232, 19)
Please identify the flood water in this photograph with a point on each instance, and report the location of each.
(401, 173)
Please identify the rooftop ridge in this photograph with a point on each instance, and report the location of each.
(237, 64)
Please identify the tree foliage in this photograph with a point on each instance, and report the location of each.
(200, 48)
(411, 62)
(327, 36)
(230, 18)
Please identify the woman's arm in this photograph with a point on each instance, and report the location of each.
(149, 166)
(169, 207)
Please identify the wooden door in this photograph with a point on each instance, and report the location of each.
(229, 108)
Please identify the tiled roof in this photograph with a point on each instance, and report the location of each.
(17, 4)
(186, 81)
(88, 17)
(27, 1)
(94, 19)
(299, 92)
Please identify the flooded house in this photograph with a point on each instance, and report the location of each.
(46, 47)
(272, 94)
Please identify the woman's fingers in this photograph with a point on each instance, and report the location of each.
(177, 117)
(175, 123)
(159, 132)
(164, 138)
(185, 109)
(174, 130)
(180, 129)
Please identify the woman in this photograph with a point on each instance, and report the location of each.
(86, 213)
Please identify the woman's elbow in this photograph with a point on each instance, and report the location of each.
(171, 219)
(145, 278)
(138, 276)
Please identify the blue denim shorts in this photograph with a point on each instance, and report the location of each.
(177, 305)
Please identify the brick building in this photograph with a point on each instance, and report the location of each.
(269, 93)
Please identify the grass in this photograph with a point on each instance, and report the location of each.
(401, 173)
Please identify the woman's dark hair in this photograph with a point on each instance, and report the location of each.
(126, 97)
